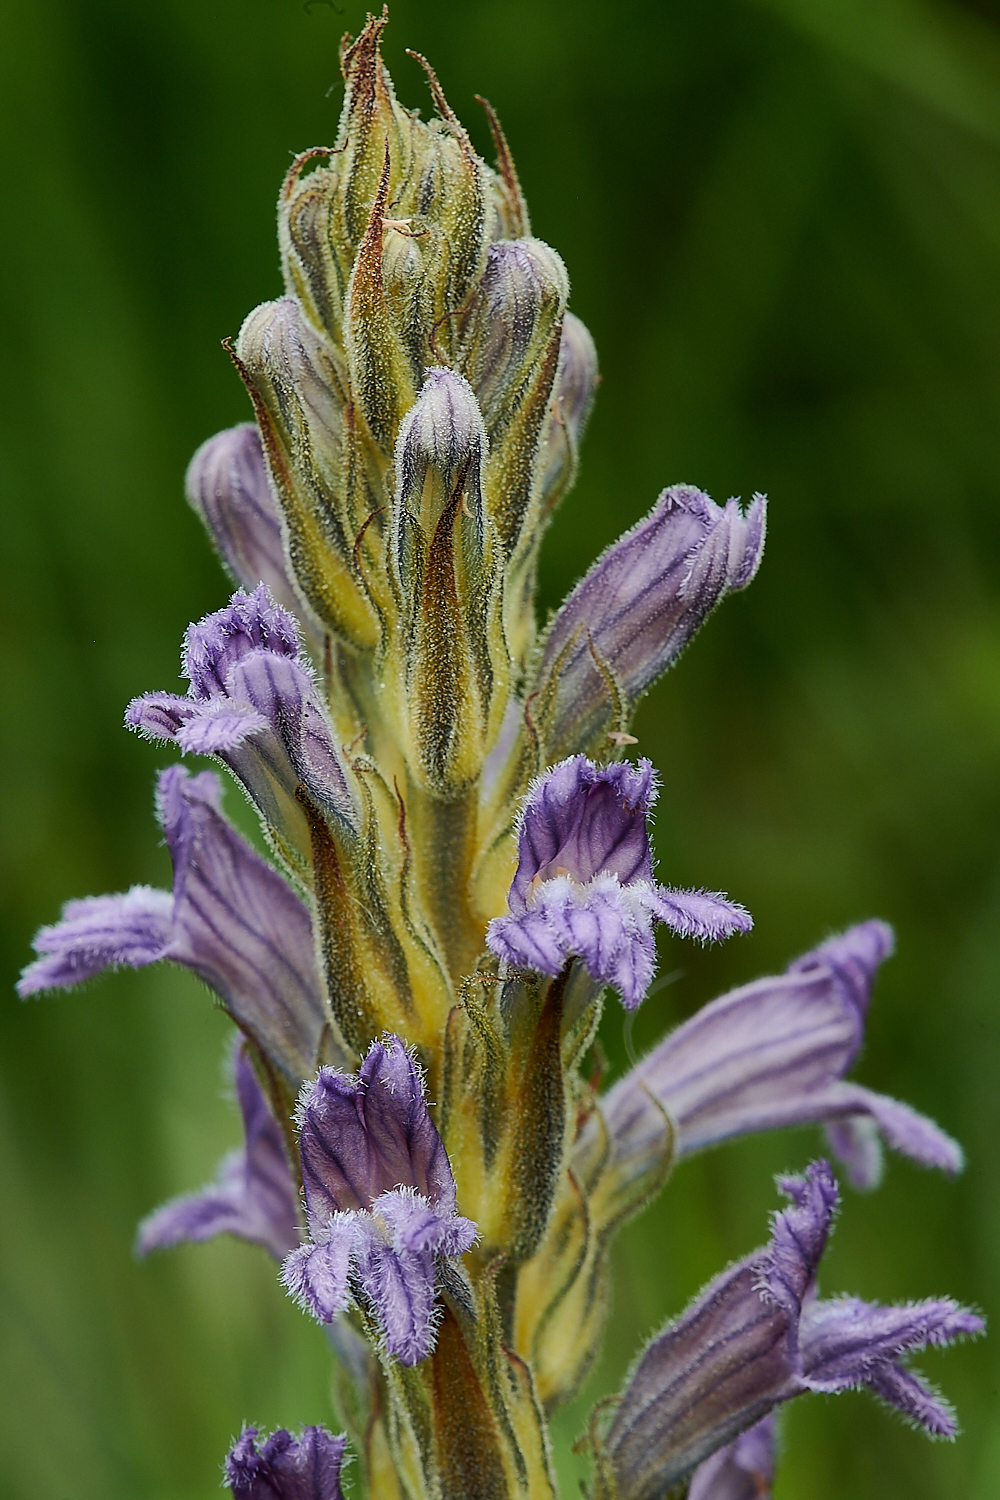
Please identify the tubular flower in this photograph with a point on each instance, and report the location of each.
(380, 1199)
(254, 1195)
(757, 1336)
(771, 1054)
(457, 876)
(584, 884)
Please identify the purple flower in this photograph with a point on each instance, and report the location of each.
(380, 1200)
(231, 919)
(584, 883)
(640, 604)
(286, 1467)
(757, 1336)
(227, 484)
(771, 1054)
(254, 1195)
(742, 1470)
(253, 703)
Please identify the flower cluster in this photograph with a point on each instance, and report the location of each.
(461, 867)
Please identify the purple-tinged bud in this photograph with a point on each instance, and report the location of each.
(450, 653)
(523, 290)
(380, 1200)
(757, 1336)
(227, 485)
(742, 1470)
(584, 882)
(286, 1467)
(769, 1055)
(442, 443)
(572, 399)
(298, 382)
(254, 1195)
(636, 610)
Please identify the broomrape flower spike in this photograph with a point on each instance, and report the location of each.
(457, 876)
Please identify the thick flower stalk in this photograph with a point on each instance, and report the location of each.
(461, 867)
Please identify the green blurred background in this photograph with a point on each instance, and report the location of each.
(782, 221)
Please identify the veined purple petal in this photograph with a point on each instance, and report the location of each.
(254, 1196)
(316, 1274)
(98, 933)
(757, 1336)
(232, 919)
(772, 1054)
(227, 484)
(400, 1285)
(412, 1223)
(583, 820)
(642, 601)
(742, 1470)
(285, 1467)
(249, 623)
(705, 915)
(360, 1138)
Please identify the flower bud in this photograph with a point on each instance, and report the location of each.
(297, 380)
(452, 656)
(572, 398)
(636, 610)
(227, 485)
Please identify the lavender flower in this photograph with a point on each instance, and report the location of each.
(231, 919)
(286, 1467)
(584, 883)
(254, 1196)
(742, 1470)
(756, 1337)
(638, 607)
(771, 1054)
(253, 703)
(380, 1199)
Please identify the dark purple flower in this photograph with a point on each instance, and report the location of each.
(254, 1195)
(742, 1470)
(774, 1053)
(584, 883)
(757, 1336)
(231, 918)
(253, 703)
(227, 484)
(641, 603)
(286, 1467)
(380, 1199)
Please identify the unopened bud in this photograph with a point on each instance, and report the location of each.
(442, 441)
(523, 293)
(576, 383)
